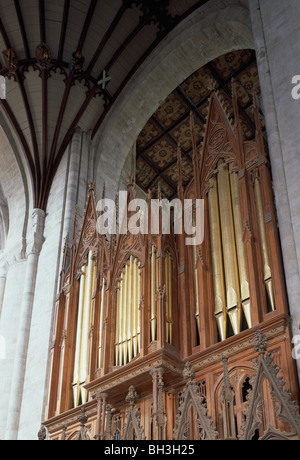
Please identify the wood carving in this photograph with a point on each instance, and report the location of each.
(131, 304)
(285, 408)
(192, 398)
(132, 428)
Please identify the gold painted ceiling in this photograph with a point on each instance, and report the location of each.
(156, 163)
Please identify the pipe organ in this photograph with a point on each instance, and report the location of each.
(87, 281)
(101, 322)
(264, 244)
(232, 297)
(136, 311)
(153, 318)
(169, 289)
(127, 344)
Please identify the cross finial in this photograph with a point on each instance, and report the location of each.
(92, 185)
(130, 179)
(103, 191)
(212, 85)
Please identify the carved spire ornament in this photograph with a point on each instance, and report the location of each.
(92, 185)
(285, 409)
(188, 374)
(192, 398)
(227, 399)
(132, 428)
(83, 433)
(42, 434)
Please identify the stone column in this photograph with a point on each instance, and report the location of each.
(3, 276)
(33, 253)
(73, 181)
(276, 101)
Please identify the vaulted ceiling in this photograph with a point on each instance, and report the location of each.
(66, 62)
(156, 163)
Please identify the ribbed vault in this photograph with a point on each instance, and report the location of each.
(66, 62)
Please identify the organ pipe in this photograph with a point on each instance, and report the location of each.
(76, 380)
(217, 260)
(117, 342)
(153, 319)
(101, 323)
(135, 307)
(127, 344)
(242, 262)
(130, 312)
(138, 277)
(83, 329)
(229, 249)
(169, 320)
(196, 287)
(264, 243)
(86, 324)
(125, 307)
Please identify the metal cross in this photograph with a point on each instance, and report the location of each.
(2, 87)
(104, 80)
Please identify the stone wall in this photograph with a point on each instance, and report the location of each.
(276, 30)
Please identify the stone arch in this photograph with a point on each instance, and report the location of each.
(213, 30)
(15, 192)
(4, 219)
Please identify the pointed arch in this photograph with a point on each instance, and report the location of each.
(192, 398)
(285, 408)
(132, 428)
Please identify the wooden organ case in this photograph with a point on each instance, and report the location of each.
(157, 340)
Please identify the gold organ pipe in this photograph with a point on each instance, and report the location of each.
(217, 260)
(167, 296)
(121, 313)
(135, 307)
(123, 339)
(229, 250)
(242, 263)
(125, 318)
(153, 295)
(101, 322)
(196, 288)
(130, 309)
(170, 299)
(76, 382)
(138, 305)
(86, 324)
(264, 243)
(117, 341)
